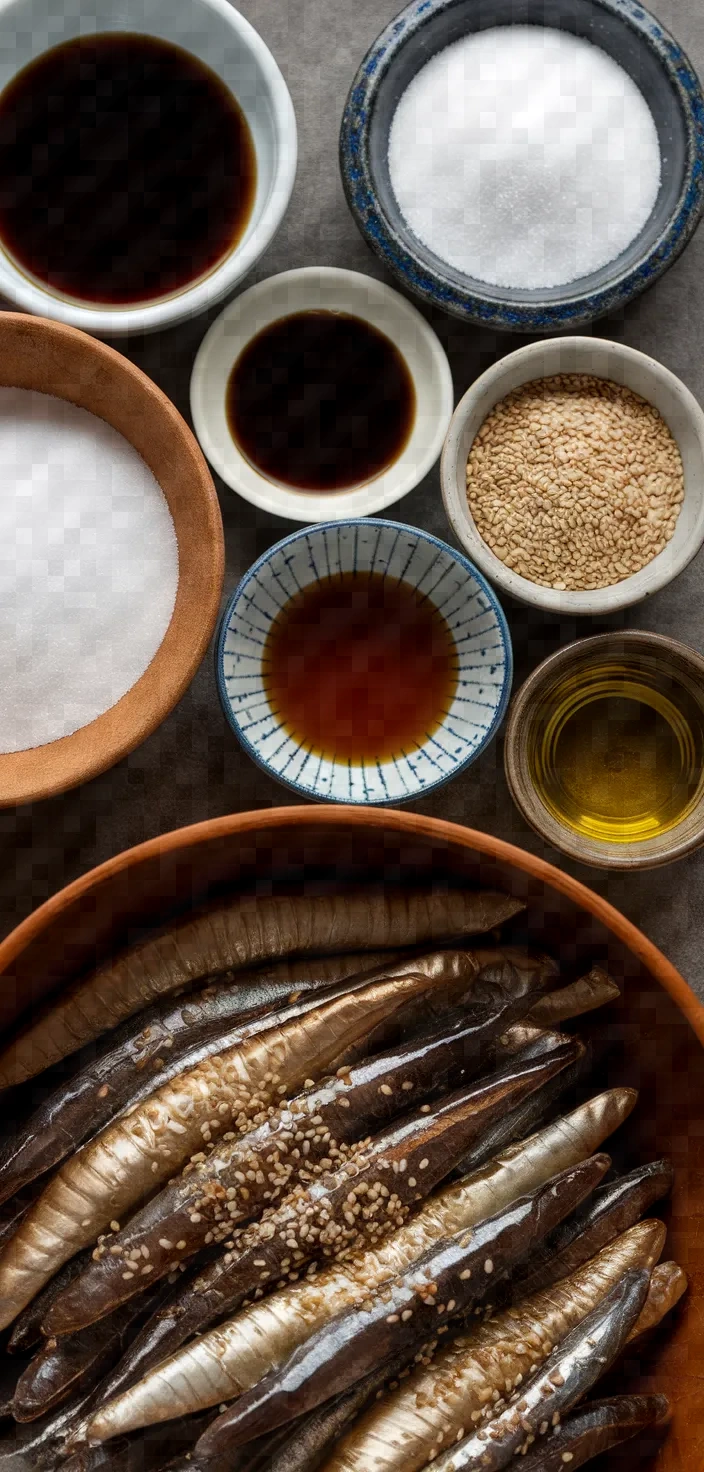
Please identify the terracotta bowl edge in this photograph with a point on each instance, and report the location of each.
(657, 963)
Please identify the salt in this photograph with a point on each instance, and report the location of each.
(524, 157)
(88, 568)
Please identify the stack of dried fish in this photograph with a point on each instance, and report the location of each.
(309, 1216)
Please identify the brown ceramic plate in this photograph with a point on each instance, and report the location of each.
(54, 359)
(651, 1039)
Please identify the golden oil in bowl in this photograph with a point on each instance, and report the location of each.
(617, 750)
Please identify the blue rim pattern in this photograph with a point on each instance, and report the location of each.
(252, 606)
(486, 307)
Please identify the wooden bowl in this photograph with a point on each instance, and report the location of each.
(651, 1039)
(55, 359)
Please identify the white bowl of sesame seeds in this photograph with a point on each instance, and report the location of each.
(573, 475)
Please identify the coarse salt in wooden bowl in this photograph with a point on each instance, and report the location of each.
(651, 1039)
(52, 358)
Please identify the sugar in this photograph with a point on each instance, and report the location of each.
(88, 568)
(524, 157)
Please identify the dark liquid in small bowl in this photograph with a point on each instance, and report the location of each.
(360, 667)
(127, 169)
(321, 401)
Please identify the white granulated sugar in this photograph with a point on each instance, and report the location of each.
(524, 157)
(88, 568)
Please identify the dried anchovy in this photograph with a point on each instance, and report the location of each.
(130, 1158)
(14, 1212)
(251, 1172)
(306, 1443)
(285, 1319)
(27, 1328)
(158, 1043)
(38, 1444)
(596, 989)
(10, 1371)
(567, 1375)
(528, 1115)
(482, 1368)
(361, 1203)
(145, 1453)
(76, 1362)
(302, 1445)
(536, 972)
(458, 1273)
(668, 1283)
(595, 1429)
(247, 930)
(615, 1207)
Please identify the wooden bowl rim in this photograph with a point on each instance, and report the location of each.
(391, 818)
(57, 766)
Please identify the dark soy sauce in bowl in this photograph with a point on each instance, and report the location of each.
(321, 401)
(127, 168)
(360, 666)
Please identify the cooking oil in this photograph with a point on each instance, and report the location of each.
(617, 750)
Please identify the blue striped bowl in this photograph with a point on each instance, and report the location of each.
(474, 617)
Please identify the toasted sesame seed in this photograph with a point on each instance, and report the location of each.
(575, 482)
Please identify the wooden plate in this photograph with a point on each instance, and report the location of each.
(651, 1039)
(55, 359)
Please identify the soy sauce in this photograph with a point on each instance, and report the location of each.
(361, 667)
(127, 168)
(321, 401)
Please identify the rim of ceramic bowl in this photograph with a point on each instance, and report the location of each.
(395, 819)
(424, 275)
(663, 568)
(206, 292)
(598, 854)
(208, 388)
(356, 521)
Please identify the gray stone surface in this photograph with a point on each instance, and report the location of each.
(192, 768)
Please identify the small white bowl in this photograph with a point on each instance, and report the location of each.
(602, 359)
(218, 35)
(473, 615)
(324, 288)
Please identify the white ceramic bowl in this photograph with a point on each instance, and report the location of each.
(330, 289)
(216, 33)
(602, 359)
(474, 617)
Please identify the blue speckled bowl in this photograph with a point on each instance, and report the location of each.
(639, 43)
(473, 614)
